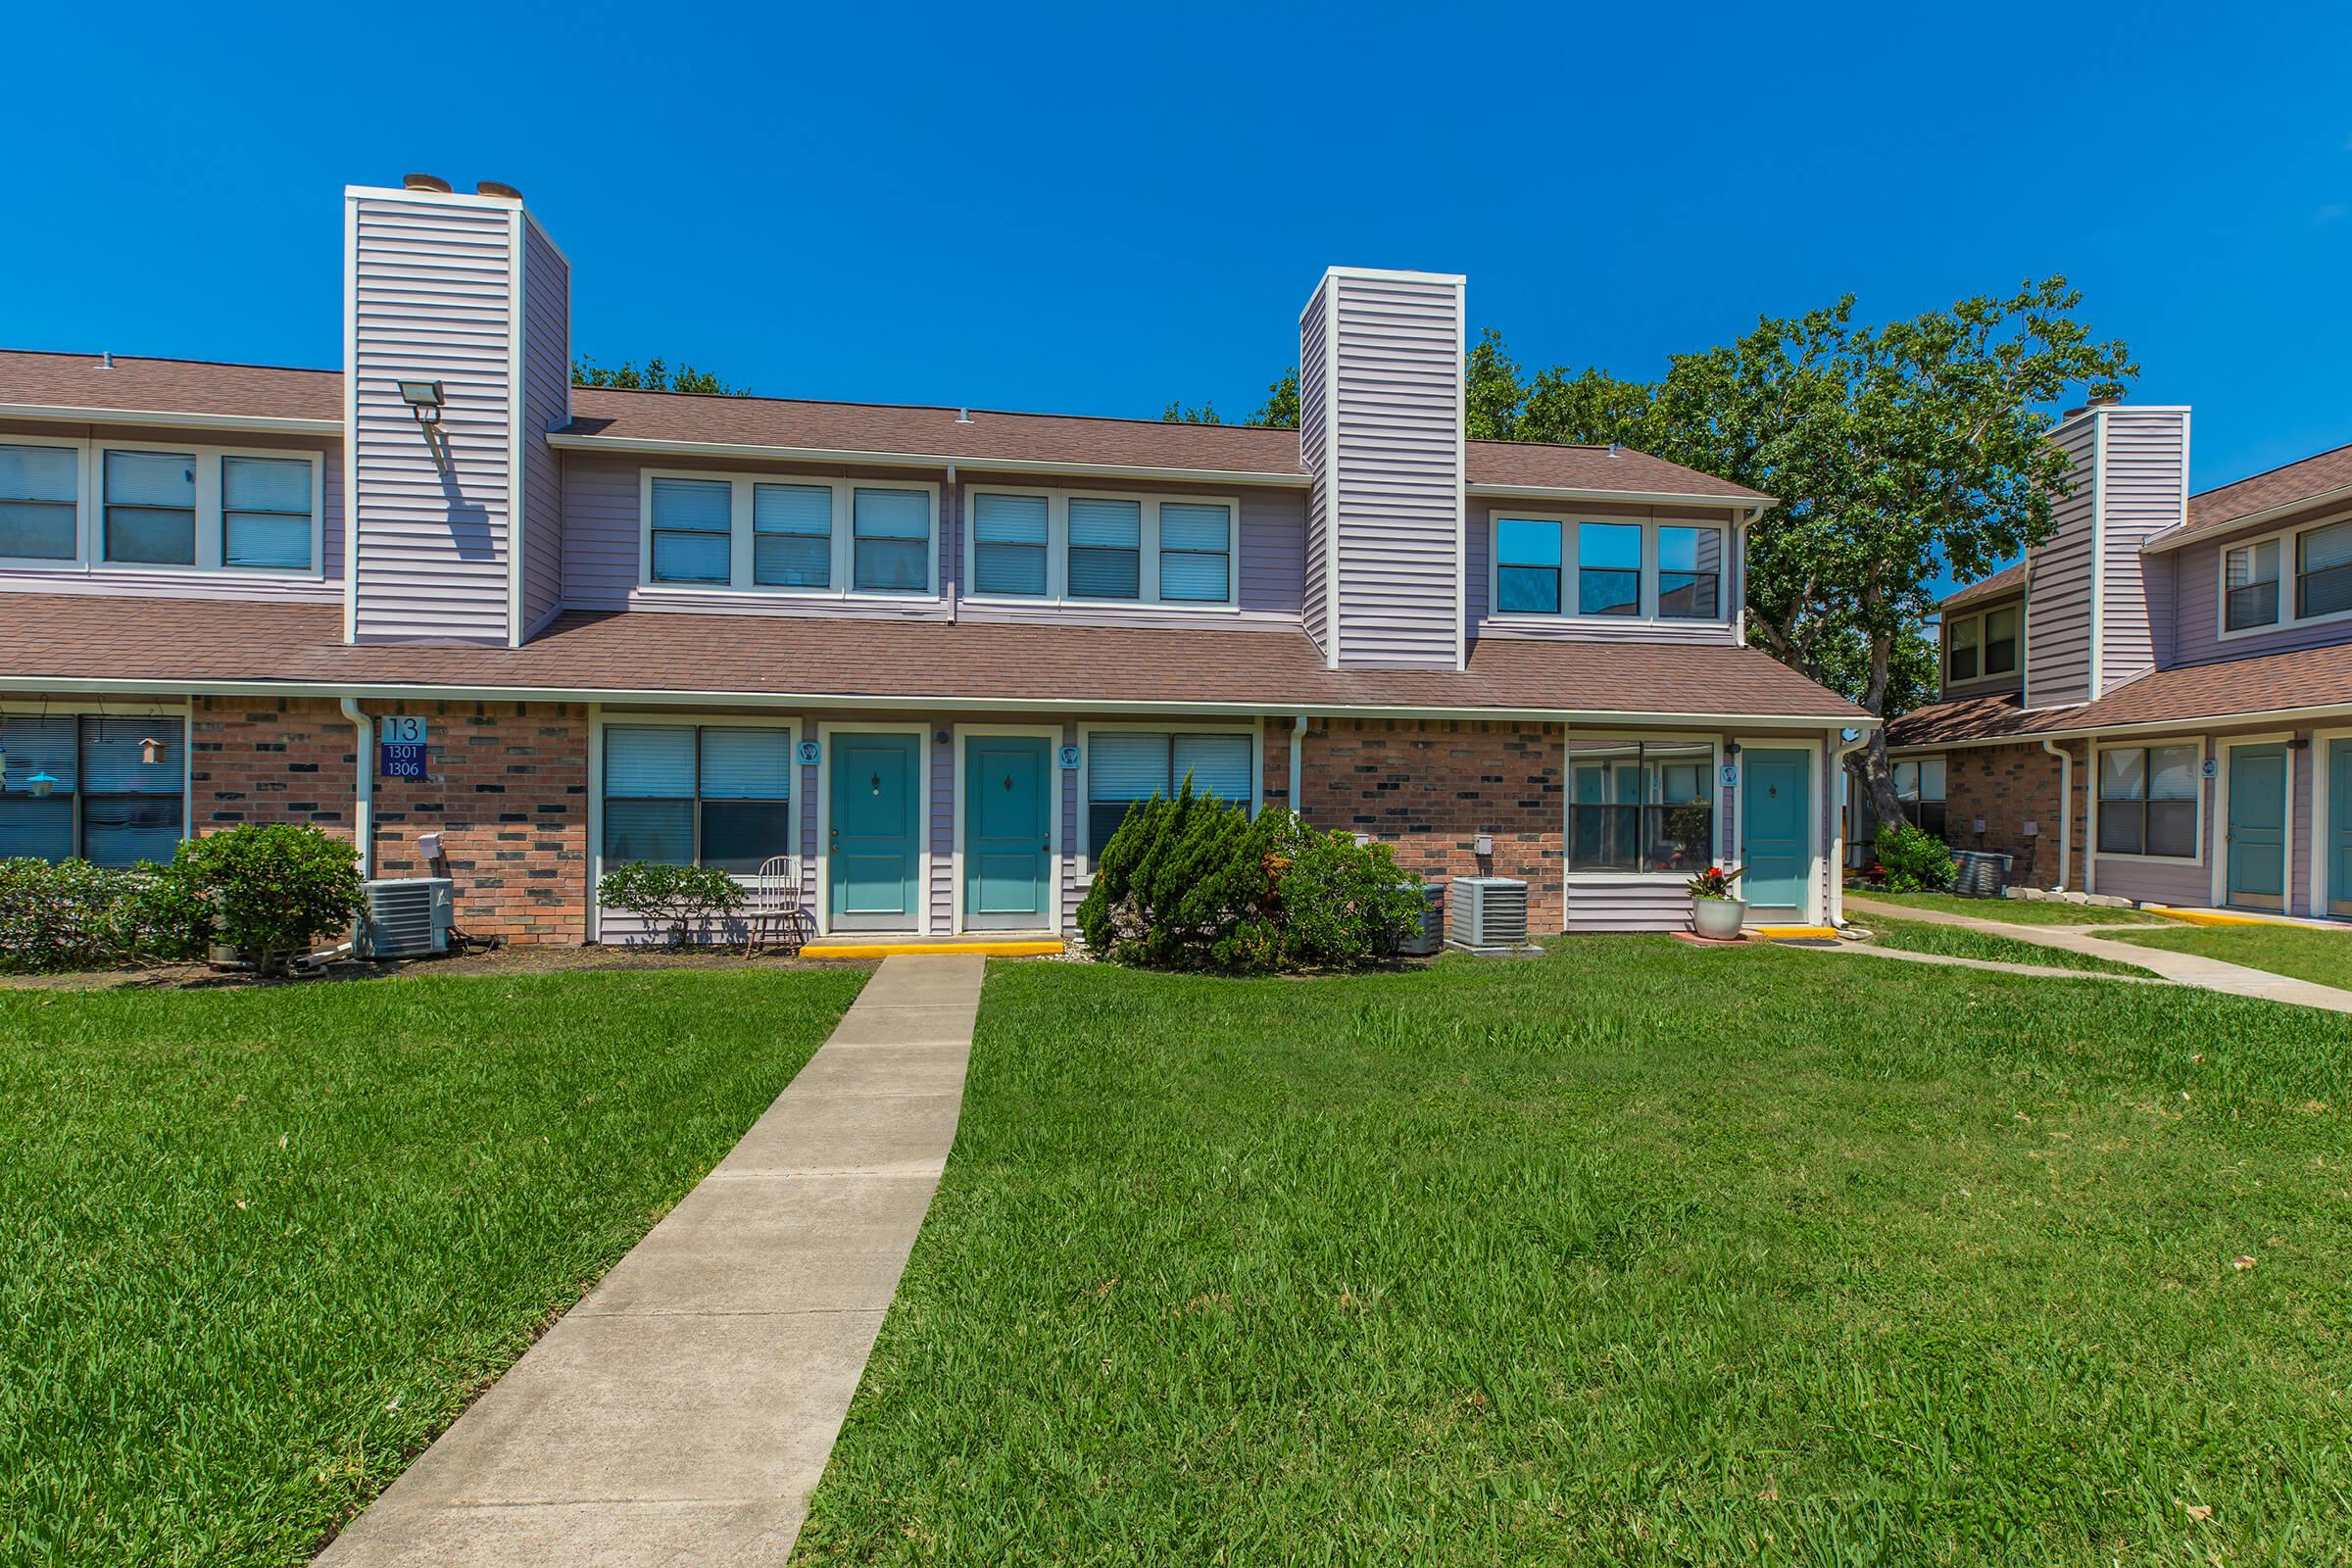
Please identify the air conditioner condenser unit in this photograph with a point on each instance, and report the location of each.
(405, 918)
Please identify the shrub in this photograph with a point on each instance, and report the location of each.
(75, 916)
(268, 892)
(675, 895)
(1195, 883)
(1914, 860)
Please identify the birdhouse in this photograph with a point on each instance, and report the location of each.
(151, 751)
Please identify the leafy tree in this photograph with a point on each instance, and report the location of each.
(1185, 413)
(655, 375)
(1280, 410)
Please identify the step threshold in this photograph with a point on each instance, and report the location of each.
(971, 944)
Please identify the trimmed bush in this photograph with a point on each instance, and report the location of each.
(75, 916)
(1913, 860)
(674, 895)
(268, 892)
(1195, 883)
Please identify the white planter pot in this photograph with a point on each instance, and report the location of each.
(1719, 918)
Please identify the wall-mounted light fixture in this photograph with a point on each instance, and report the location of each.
(425, 401)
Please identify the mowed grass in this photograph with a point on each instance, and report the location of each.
(1640, 1253)
(2017, 912)
(2303, 952)
(263, 1244)
(1920, 936)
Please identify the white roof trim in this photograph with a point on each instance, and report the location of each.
(1757, 506)
(918, 460)
(114, 686)
(171, 418)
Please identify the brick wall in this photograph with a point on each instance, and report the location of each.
(1428, 788)
(507, 787)
(2009, 786)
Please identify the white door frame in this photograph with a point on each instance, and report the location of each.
(2322, 782)
(1050, 734)
(827, 729)
(2223, 746)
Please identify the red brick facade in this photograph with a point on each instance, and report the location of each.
(2007, 787)
(1428, 788)
(507, 789)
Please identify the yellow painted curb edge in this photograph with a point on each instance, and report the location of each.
(1795, 933)
(888, 950)
(2217, 917)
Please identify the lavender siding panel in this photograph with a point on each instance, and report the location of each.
(1394, 486)
(545, 404)
(2155, 882)
(2145, 491)
(2196, 598)
(1072, 889)
(2058, 602)
(326, 587)
(1314, 451)
(432, 283)
(1479, 546)
(1626, 904)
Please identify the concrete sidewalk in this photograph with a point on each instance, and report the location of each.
(683, 1412)
(2181, 968)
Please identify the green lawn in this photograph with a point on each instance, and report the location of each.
(1638, 1253)
(262, 1244)
(2304, 952)
(2017, 912)
(1920, 936)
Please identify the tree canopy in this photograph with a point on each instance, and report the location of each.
(1280, 410)
(655, 375)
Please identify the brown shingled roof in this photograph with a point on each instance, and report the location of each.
(2235, 688)
(2007, 581)
(1997, 716)
(59, 640)
(2219, 510)
(1048, 440)
(169, 386)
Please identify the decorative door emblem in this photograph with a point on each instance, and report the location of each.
(1008, 782)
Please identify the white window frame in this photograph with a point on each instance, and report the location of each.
(1056, 851)
(1978, 623)
(740, 536)
(1594, 739)
(89, 511)
(683, 719)
(2288, 555)
(2090, 837)
(1256, 728)
(1057, 550)
(1725, 599)
(2323, 782)
(172, 718)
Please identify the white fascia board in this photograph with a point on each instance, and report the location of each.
(640, 698)
(2180, 534)
(918, 460)
(1392, 274)
(172, 418)
(434, 198)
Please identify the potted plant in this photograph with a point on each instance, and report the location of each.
(1715, 913)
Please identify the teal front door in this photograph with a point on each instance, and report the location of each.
(1008, 833)
(2258, 826)
(2338, 847)
(873, 842)
(1775, 837)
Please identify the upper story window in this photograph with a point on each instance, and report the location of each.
(1984, 646)
(88, 503)
(1607, 568)
(2254, 588)
(41, 515)
(806, 536)
(1075, 546)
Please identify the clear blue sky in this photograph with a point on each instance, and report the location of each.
(1097, 209)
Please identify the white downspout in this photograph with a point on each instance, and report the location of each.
(1845, 787)
(364, 794)
(1297, 762)
(2066, 805)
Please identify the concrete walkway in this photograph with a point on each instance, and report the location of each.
(2181, 968)
(683, 1412)
(2039, 971)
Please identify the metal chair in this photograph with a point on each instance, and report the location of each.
(772, 906)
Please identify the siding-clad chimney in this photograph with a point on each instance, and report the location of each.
(461, 543)
(2090, 626)
(1381, 428)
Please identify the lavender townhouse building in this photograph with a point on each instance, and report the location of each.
(929, 653)
(2157, 702)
